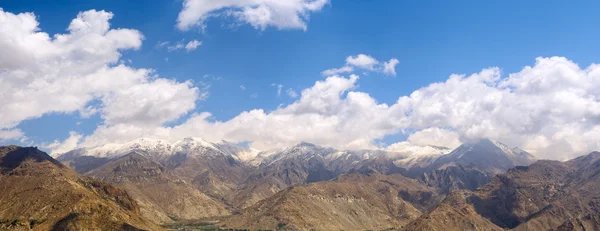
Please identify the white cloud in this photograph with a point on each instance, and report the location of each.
(321, 115)
(362, 61)
(180, 45)
(365, 62)
(406, 147)
(291, 93)
(11, 134)
(435, 137)
(177, 46)
(389, 67)
(550, 108)
(192, 45)
(80, 71)
(66, 145)
(254, 95)
(281, 14)
(162, 101)
(337, 71)
(242, 87)
(279, 88)
(162, 44)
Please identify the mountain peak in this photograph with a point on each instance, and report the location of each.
(13, 156)
(585, 160)
(194, 144)
(489, 155)
(487, 143)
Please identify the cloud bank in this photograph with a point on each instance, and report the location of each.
(551, 108)
(79, 72)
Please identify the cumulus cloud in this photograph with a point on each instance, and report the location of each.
(435, 137)
(10, 134)
(181, 45)
(365, 62)
(550, 108)
(79, 71)
(337, 71)
(389, 67)
(192, 45)
(66, 145)
(281, 14)
(327, 113)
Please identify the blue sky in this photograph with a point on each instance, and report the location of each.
(431, 39)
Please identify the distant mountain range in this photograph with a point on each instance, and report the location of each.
(484, 185)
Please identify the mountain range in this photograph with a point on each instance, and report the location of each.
(483, 185)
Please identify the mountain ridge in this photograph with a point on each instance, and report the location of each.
(40, 193)
(233, 178)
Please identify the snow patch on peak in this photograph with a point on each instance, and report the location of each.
(512, 152)
(149, 146)
(194, 143)
(509, 151)
(493, 147)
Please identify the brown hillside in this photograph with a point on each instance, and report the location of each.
(39, 193)
(351, 202)
(160, 194)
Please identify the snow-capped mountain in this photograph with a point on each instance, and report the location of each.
(302, 151)
(488, 155)
(156, 148)
(146, 145)
(241, 176)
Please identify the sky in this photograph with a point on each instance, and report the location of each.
(348, 74)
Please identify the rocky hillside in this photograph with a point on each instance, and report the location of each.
(162, 195)
(547, 195)
(350, 202)
(470, 165)
(454, 213)
(39, 193)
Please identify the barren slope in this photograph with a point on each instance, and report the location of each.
(351, 202)
(38, 192)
